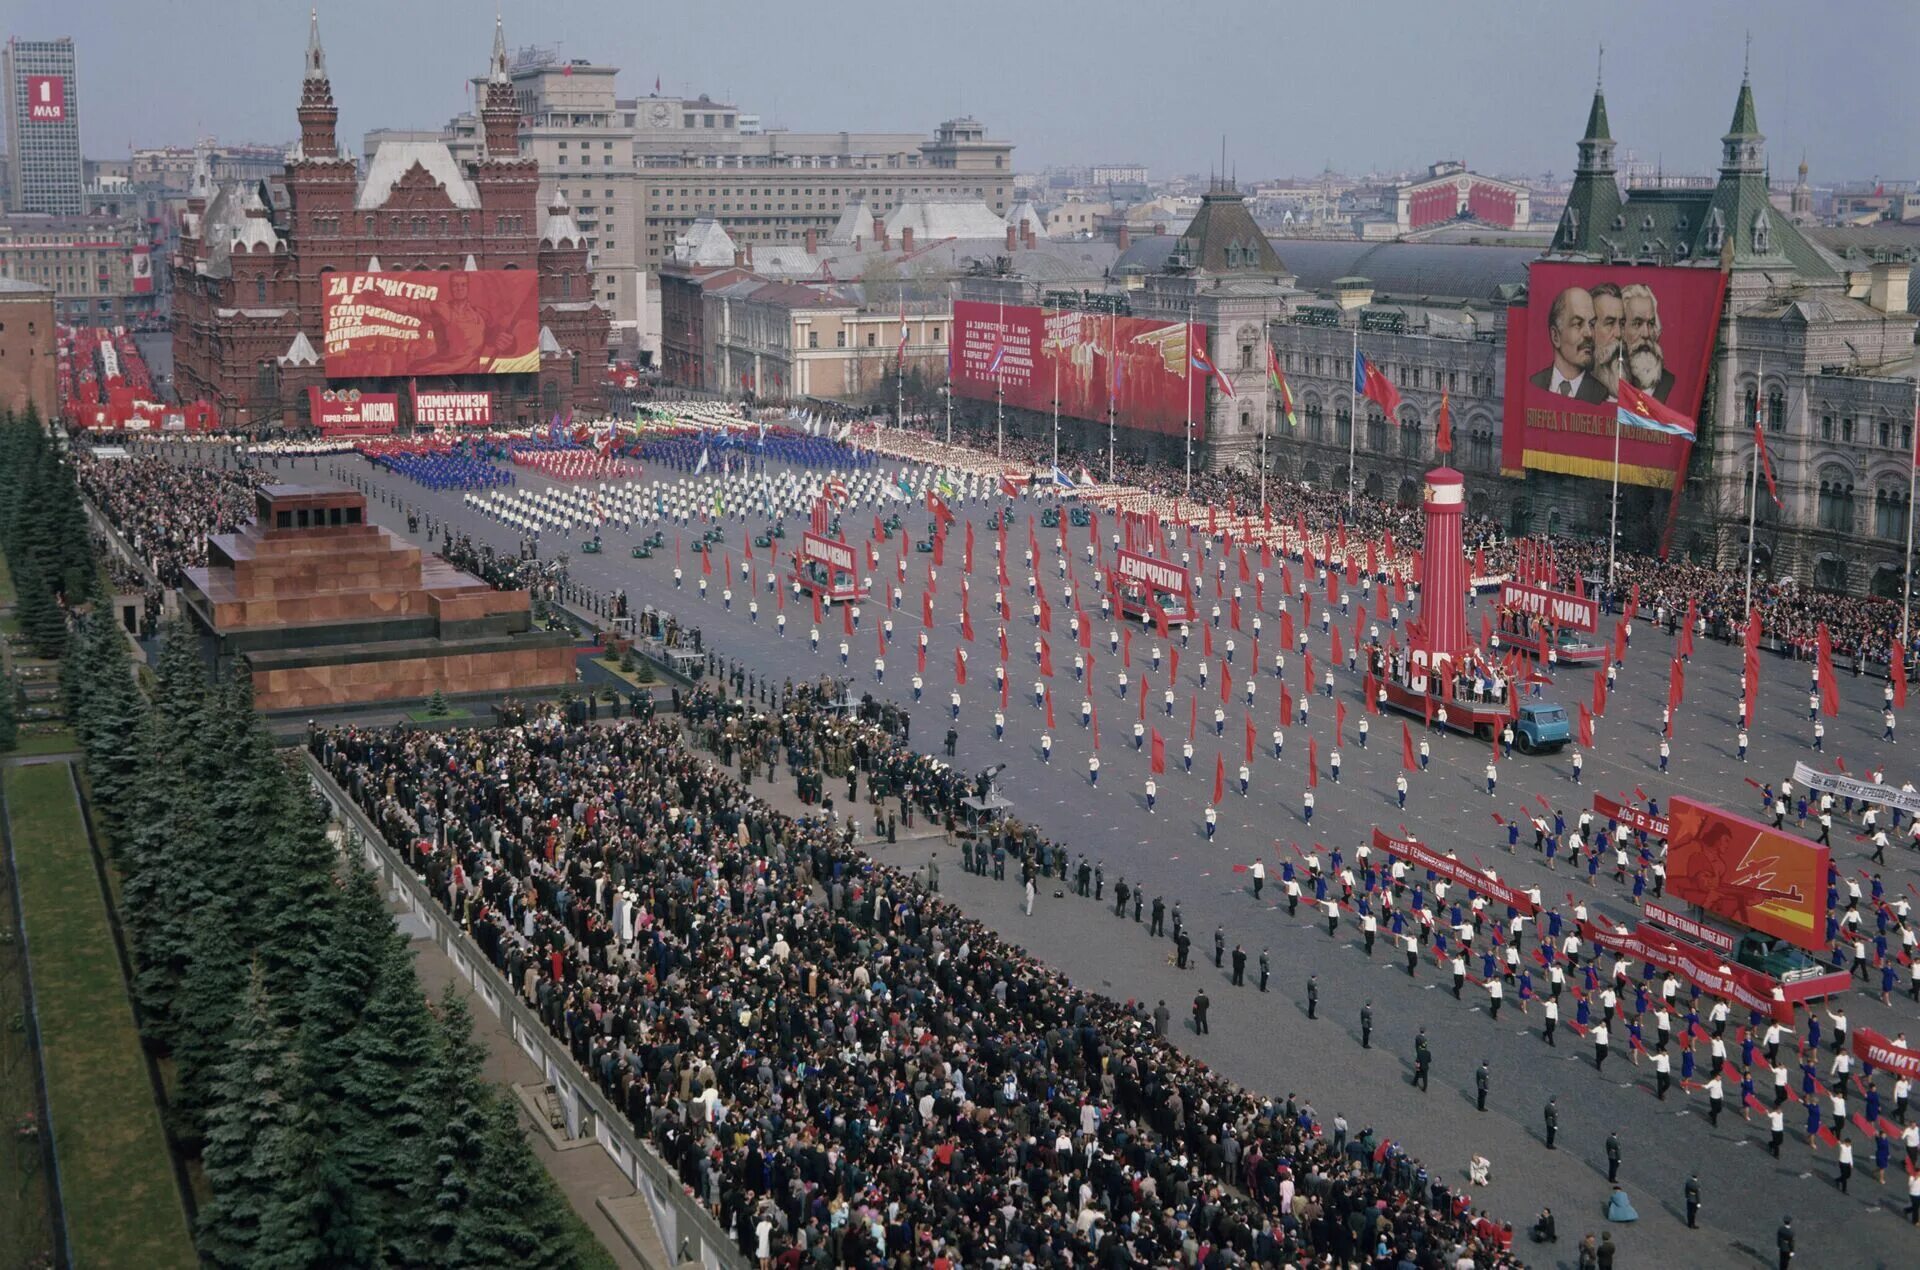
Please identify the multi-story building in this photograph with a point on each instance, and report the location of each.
(29, 373)
(1449, 192)
(99, 268)
(1117, 174)
(640, 171)
(43, 126)
(171, 168)
(252, 264)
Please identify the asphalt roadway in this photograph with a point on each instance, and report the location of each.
(1267, 1042)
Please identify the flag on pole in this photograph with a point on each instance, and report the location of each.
(1278, 379)
(1219, 778)
(1766, 464)
(1638, 409)
(1198, 356)
(1407, 760)
(1443, 438)
(900, 360)
(1159, 753)
(1370, 382)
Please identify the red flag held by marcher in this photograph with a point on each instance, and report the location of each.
(1313, 762)
(846, 619)
(1339, 723)
(960, 667)
(1049, 709)
(1407, 760)
(1829, 686)
(1159, 753)
(1219, 778)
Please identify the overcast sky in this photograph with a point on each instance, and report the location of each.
(1385, 84)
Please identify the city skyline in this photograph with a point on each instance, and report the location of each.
(1668, 108)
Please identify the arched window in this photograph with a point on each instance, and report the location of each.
(1246, 357)
(1776, 409)
(1376, 430)
(1342, 425)
(1836, 500)
(1480, 447)
(1316, 419)
(1890, 511)
(1412, 436)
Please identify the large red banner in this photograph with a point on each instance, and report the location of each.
(353, 412)
(1582, 328)
(1715, 975)
(46, 99)
(1632, 817)
(1745, 872)
(457, 322)
(1885, 1054)
(1555, 606)
(434, 408)
(140, 270)
(837, 556)
(1141, 368)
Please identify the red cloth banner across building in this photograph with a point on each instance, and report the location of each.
(1421, 856)
(1745, 872)
(46, 99)
(454, 322)
(1141, 368)
(436, 409)
(1581, 328)
(352, 412)
(1554, 606)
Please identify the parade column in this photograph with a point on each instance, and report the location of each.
(1443, 567)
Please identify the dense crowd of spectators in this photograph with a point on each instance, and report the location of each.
(1790, 615)
(165, 511)
(840, 1065)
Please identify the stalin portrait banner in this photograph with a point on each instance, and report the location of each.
(455, 322)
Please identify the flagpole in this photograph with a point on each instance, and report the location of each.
(952, 332)
(1906, 578)
(1187, 383)
(1753, 481)
(1000, 389)
(1613, 519)
(1353, 411)
(1113, 386)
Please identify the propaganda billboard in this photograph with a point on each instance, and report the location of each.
(46, 99)
(1555, 606)
(441, 409)
(456, 322)
(1139, 367)
(140, 269)
(1583, 328)
(350, 412)
(1743, 871)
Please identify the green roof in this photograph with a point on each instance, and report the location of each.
(1746, 122)
(1597, 119)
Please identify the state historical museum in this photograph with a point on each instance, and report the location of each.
(424, 290)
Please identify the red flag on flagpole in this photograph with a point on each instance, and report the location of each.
(1829, 687)
(1159, 753)
(1096, 727)
(1443, 437)
(1219, 778)
(1146, 687)
(1339, 723)
(1250, 742)
(1313, 762)
(1407, 760)
(846, 619)
(1049, 709)
(1193, 716)
(960, 667)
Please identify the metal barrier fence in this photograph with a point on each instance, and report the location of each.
(686, 1228)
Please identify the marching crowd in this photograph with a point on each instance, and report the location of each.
(1790, 615)
(840, 1065)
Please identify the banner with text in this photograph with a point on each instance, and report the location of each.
(837, 556)
(1716, 976)
(1747, 873)
(1553, 606)
(1421, 856)
(456, 322)
(1687, 928)
(1858, 790)
(353, 412)
(1885, 1054)
(1090, 361)
(1583, 327)
(46, 99)
(1632, 817)
(433, 408)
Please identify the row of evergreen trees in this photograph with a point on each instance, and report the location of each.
(339, 1119)
(43, 530)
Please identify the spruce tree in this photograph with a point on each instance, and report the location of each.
(9, 712)
(519, 1216)
(162, 856)
(214, 977)
(452, 1170)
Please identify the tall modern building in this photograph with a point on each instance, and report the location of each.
(43, 126)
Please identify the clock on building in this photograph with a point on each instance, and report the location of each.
(659, 115)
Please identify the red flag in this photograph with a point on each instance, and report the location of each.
(1174, 675)
(1146, 687)
(1005, 688)
(968, 566)
(1219, 778)
(959, 668)
(920, 659)
(1407, 760)
(1159, 752)
(1313, 762)
(706, 560)
(1371, 690)
(1676, 684)
(1096, 727)
(926, 609)
(1226, 683)
(1126, 647)
(966, 625)
(1443, 438)
(1586, 726)
(1900, 679)
(1003, 643)
(1235, 613)
(942, 514)
(1206, 639)
(1250, 742)
(1371, 383)
(1338, 654)
(816, 608)
(1193, 716)
(1766, 464)
(1286, 704)
(846, 619)
(1046, 659)
(1339, 723)
(1049, 709)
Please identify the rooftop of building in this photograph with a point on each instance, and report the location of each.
(393, 159)
(15, 289)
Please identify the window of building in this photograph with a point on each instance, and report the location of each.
(1836, 500)
(260, 290)
(1890, 512)
(1886, 432)
(1776, 409)
(1846, 429)
(839, 339)
(873, 339)
(1826, 427)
